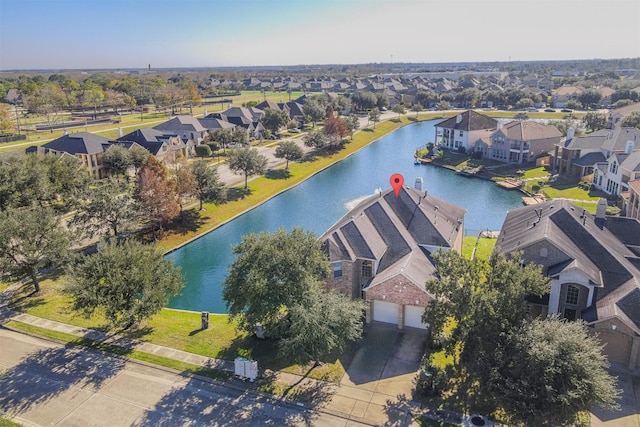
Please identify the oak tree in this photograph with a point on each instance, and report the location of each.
(128, 280)
(290, 151)
(246, 161)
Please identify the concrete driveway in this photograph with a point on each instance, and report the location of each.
(378, 385)
(628, 414)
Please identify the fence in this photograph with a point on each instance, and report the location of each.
(11, 138)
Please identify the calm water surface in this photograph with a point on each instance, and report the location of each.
(320, 201)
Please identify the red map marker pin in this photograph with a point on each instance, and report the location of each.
(396, 182)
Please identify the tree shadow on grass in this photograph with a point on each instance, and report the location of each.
(278, 174)
(188, 221)
(412, 119)
(368, 130)
(237, 193)
(395, 120)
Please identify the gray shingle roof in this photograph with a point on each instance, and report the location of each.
(181, 124)
(78, 143)
(470, 120)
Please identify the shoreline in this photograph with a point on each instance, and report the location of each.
(332, 163)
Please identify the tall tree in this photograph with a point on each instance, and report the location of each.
(335, 127)
(185, 184)
(246, 161)
(209, 187)
(632, 120)
(269, 272)
(374, 116)
(492, 341)
(290, 151)
(30, 240)
(223, 136)
(319, 323)
(550, 371)
(353, 122)
(417, 108)
(399, 109)
(274, 120)
(117, 159)
(595, 121)
(155, 193)
(129, 280)
(107, 208)
(6, 119)
(315, 109)
(316, 139)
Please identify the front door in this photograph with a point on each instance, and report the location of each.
(569, 314)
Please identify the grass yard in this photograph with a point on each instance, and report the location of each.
(485, 246)
(176, 329)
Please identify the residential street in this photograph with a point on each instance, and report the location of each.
(43, 383)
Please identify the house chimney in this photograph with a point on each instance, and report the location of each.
(601, 209)
(570, 133)
(205, 113)
(628, 149)
(119, 132)
(459, 118)
(418, 183)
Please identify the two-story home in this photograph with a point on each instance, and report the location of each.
(593, 262)
(186, 127)
(518, 142)
(381, 251)
(577, 157)
(613, 176)
(166, 147)
(632, 203)
(86, 147)
(247, 118)
(463, 130)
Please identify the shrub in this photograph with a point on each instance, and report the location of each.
(613, 211)
(214, 146)
(462, 150)
(203, 151)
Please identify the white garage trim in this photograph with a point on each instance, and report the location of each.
(413, 317)
(384, 311)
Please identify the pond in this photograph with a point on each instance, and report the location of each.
(320, 201)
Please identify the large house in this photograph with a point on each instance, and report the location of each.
(381, 251)
(593, 262)
(86, 147)
(463, 130)
(518, 142)
(613, 175)
(186, 127)
(247, 118)
(166, 147)
(578, 156)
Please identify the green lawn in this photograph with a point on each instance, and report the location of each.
(538, 172)
(485, 247)
(177, 329)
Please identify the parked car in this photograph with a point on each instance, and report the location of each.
(295, 130)
(549, 110)
(566, 110)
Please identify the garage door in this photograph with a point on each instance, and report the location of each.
(617, 347)
(384, 311)
(413, 317)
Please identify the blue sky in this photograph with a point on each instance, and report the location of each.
(71, 34)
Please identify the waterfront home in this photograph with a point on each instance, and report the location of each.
(381, 251)
(518, 142)
(461, 131)
(578, 156)
(631, 206)
(166, 147)
(613, 175)
(86, 147)
(186, 127)
(593, 262)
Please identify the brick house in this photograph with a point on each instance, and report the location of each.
(593, 262)
(380, 251)
(518, 142)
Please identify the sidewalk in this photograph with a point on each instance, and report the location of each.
(368, 407)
